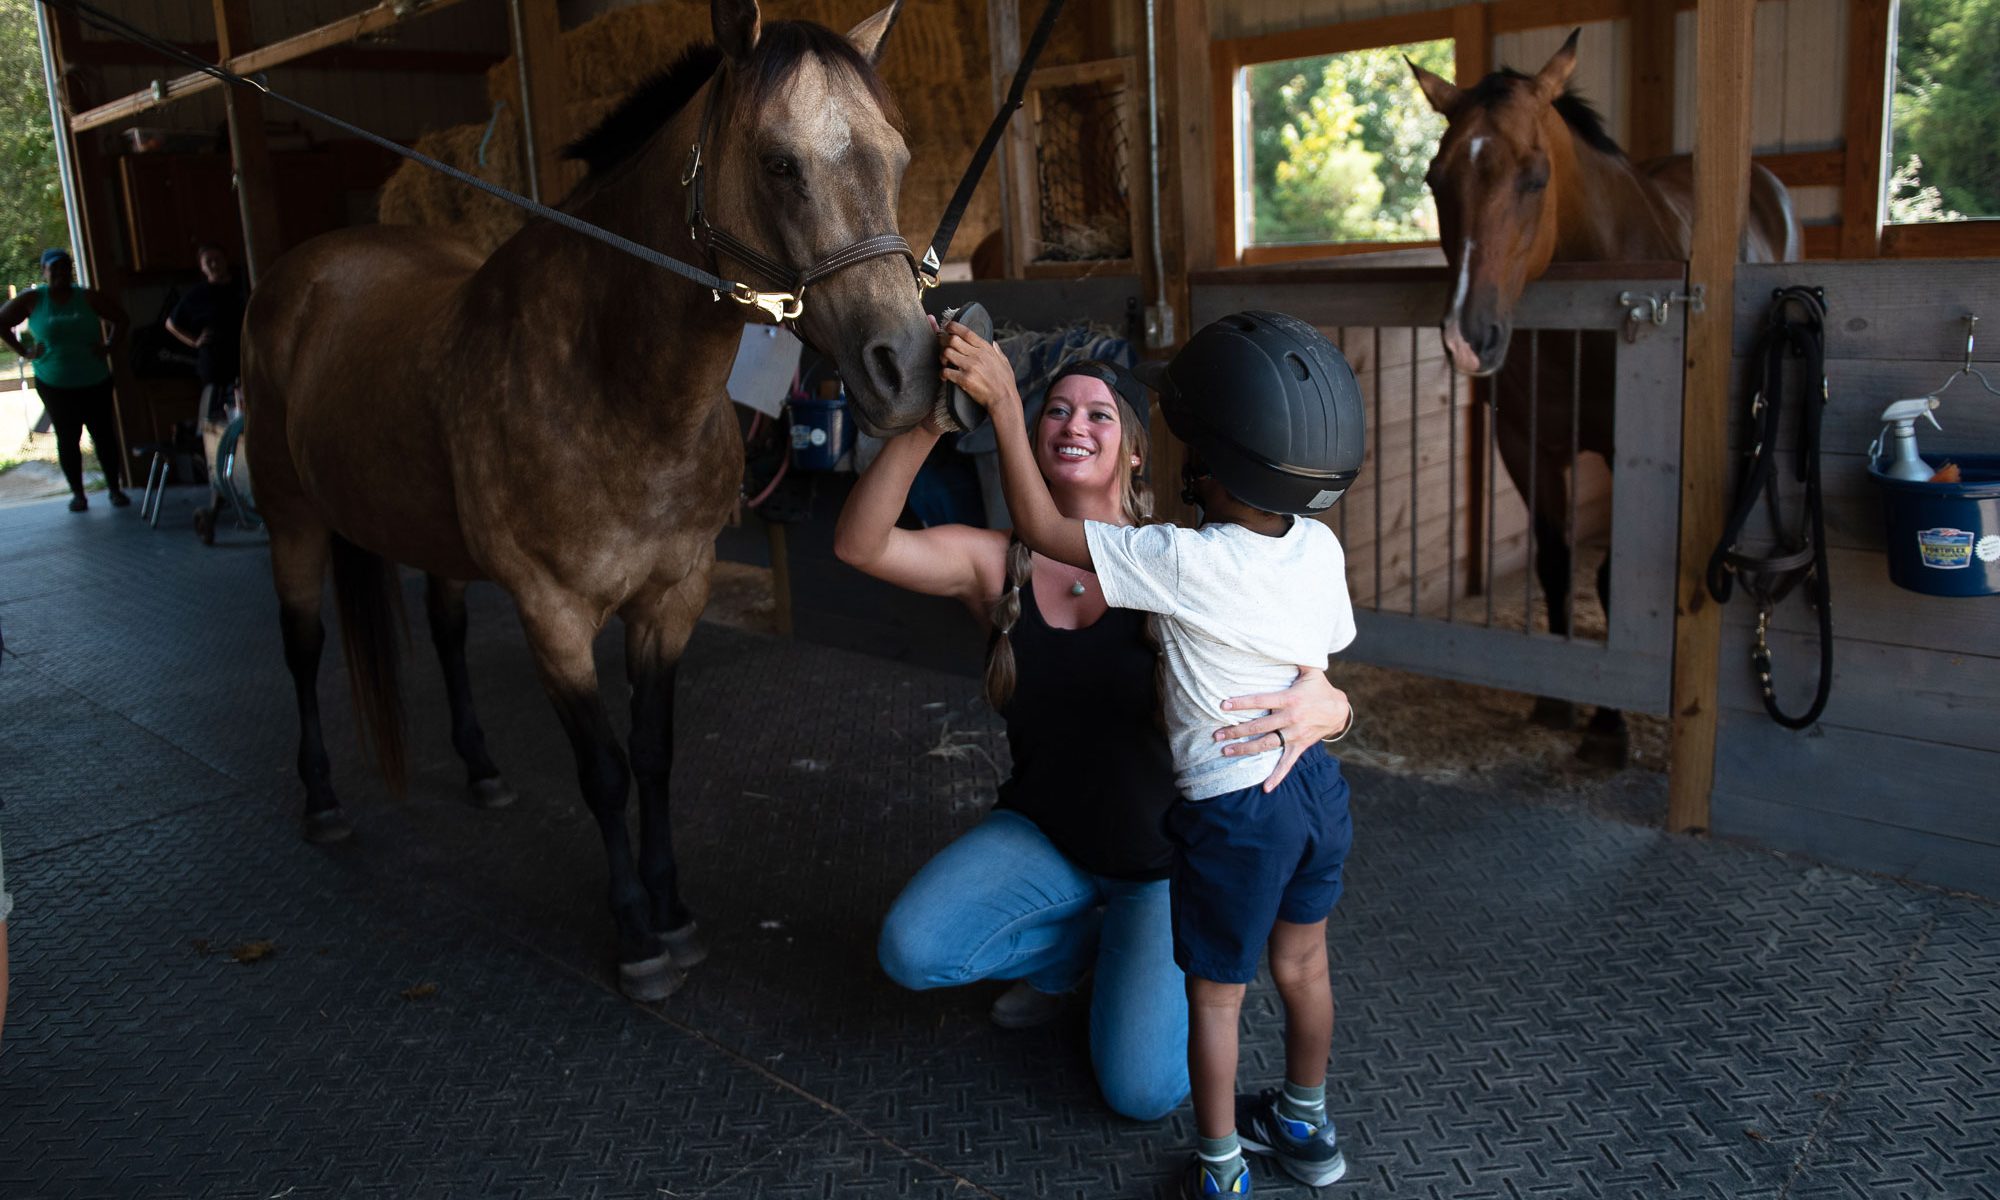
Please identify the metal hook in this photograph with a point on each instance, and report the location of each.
(1971, 340)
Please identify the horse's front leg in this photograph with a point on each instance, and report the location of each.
(560, 629)
(658, 624)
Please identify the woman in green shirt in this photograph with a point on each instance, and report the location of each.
(73, 330)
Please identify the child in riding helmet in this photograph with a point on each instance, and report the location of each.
(1272, 418)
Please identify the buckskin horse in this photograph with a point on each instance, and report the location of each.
(1526, 175)
(553, 417)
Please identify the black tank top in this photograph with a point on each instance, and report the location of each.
(1091, 764)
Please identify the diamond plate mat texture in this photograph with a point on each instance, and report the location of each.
(1535, 1001)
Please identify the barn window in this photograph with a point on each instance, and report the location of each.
(1332, 148)
(1945, 113)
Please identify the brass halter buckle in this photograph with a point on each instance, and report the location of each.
(779, 306)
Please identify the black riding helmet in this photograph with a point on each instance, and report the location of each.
(1269, 406)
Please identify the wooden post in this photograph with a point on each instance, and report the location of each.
(538, 47)
(1870, 36)
(256, 191)
(781, 578)
(1721, 195)
(1649, 89)
(1017, 151)
(1187, 210)
(1472, 44)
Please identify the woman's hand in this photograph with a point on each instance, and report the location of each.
(975, 364)
(1309, 710)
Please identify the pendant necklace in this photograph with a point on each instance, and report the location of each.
(1076, 589)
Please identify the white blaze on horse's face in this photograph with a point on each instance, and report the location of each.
(1491, 181)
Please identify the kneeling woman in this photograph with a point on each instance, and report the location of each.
(1068, 874)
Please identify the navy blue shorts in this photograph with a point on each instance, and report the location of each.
(1246, 860)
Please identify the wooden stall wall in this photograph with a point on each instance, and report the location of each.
(1902, 773)
(1800, 73)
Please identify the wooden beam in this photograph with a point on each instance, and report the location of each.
(373, 20)
(1188, 234)
(1810, 168)
(1472, 43)
(104, 53)
(545, 126)
(1649, 81)
(1723, 49)
(1942, 239)
(1338, 39)
(1870, 37)
(256, 189)
(1513, 16)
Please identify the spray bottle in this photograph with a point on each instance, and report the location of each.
(1899, 438)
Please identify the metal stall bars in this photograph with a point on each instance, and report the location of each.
(1435, 530)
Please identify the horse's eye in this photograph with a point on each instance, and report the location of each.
(780, 166)
(1534, 183)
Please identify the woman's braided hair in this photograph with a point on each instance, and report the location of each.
(1135, 500)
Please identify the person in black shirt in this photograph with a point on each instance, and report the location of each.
(210, 319)
(1068, 874)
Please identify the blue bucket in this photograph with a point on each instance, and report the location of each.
(821, 433)
(1944, 538)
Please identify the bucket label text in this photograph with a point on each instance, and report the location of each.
(1945, 549)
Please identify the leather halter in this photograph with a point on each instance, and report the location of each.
(1800, 555)
(789, 304)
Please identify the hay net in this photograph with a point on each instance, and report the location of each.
(1083, 154)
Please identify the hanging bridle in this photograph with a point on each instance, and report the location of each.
(789, 304)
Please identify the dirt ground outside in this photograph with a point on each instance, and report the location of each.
(29, 471)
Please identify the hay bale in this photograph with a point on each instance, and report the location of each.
(417, 195)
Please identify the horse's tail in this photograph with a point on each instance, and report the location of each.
(371, 619)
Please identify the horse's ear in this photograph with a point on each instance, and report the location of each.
(1443, 96)
(1554, 75)
(870, 34)
(736, 27)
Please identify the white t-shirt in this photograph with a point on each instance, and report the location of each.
(1239, 613)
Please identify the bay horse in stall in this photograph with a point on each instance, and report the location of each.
(1526, 175)
(553, 418)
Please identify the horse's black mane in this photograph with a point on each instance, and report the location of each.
(781, 47)
(1583, 119)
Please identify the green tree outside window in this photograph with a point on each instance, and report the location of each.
(1339, 144)
(1945, 115)
(31, 205)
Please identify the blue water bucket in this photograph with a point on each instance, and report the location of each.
(1944, 538)
(821, 433)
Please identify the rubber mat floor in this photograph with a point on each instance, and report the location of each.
(1535, 1000)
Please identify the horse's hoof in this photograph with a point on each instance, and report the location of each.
(326, 826)
(1610, 749)
(650, 980)
(1553, 714)
(491, 793)
(684, 945)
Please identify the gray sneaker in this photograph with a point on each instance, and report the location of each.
(1022, 1007)
(1309, 1153)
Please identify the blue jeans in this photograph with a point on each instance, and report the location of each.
(1002, 902)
